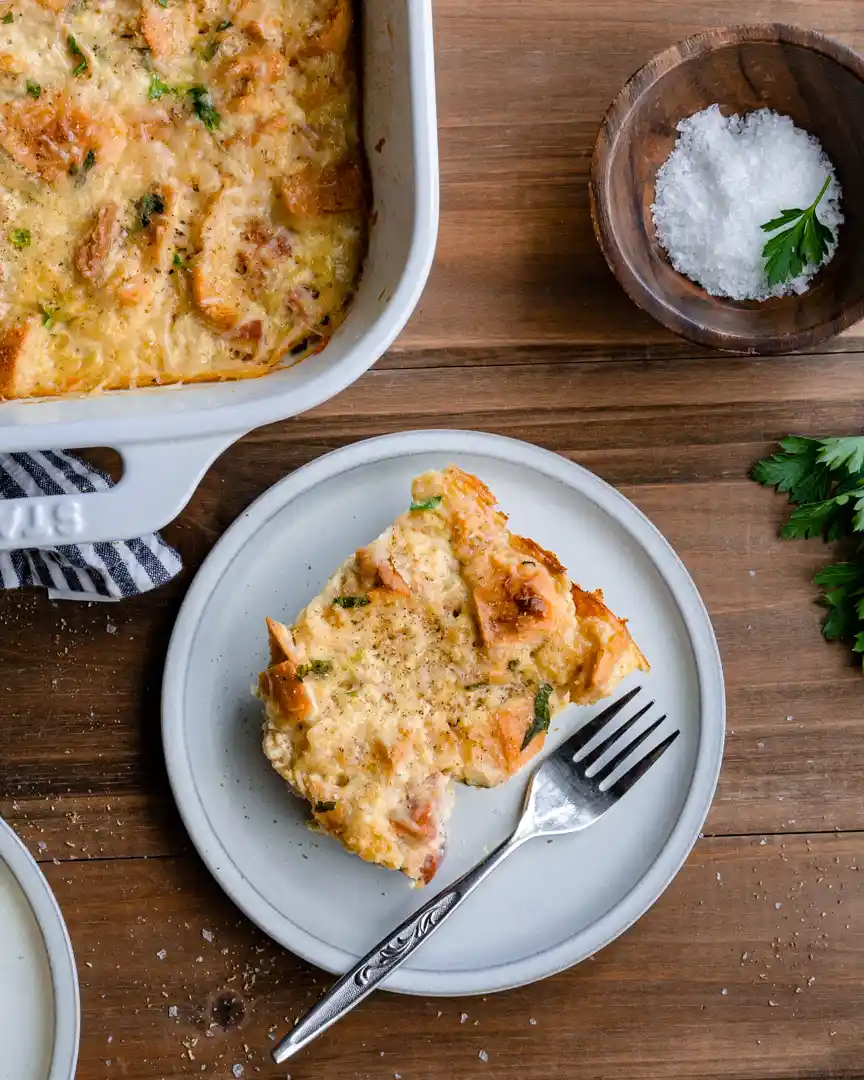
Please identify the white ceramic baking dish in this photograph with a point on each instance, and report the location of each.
(168, 437)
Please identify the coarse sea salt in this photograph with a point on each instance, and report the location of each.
(725, 178)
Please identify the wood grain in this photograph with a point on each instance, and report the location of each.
(522, 331)
(748, 966)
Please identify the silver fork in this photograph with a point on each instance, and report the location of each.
(561, 798)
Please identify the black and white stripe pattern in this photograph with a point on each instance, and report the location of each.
(78, 571)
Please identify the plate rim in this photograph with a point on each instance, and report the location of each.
(703, 779)
(58, 946)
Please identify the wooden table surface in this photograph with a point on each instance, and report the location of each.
(752, 964)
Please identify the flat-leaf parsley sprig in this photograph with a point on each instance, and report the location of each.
(844, 598)
(804, 241)
(824, 479)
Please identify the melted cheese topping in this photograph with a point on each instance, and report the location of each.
(427, 658)
(182, 194)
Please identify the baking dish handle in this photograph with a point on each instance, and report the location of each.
(158, 480)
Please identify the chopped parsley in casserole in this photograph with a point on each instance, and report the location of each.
(467, 642)
(136, 133)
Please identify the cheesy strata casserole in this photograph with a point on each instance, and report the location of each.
(438, 653)
(182, 189)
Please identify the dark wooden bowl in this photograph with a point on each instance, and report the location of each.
(816, 81)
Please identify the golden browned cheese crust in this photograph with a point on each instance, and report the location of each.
(424, 661)
(183, 192)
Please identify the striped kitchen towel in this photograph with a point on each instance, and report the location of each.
(78, 571)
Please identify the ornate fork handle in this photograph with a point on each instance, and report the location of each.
(403, 943)
(388, 955)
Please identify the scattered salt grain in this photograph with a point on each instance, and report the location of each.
(724, 991)
(173, 1011)
(237, 1070)
(532, 1022)
(207, 935)
(778, 905)
(161, 954)
(463, 1018)
(483, 1055)
(725, 178)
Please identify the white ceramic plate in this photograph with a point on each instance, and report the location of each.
(552, 904)
(39, 1010)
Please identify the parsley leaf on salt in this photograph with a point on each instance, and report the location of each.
(226, 24)
(33, 89)
(542, 717)
(324, 807)
(48, 314)
(8, 17)
(804, 241)
(20, 238)
(824, 479)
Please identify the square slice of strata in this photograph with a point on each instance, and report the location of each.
(438, 653)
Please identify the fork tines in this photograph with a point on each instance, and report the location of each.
(575, 744)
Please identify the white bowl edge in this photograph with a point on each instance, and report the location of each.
(61, 958)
